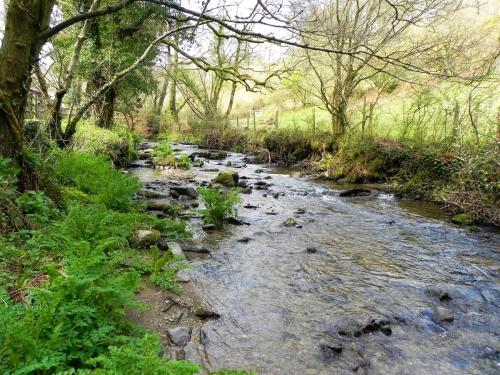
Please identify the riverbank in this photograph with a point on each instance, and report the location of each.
(462, 179)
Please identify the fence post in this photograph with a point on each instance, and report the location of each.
(314, 120)
(248, 120)
(276, 120)
(237, 122)
(254, 123)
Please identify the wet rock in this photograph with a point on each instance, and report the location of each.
(300, 211)
(463, 219)
(204, 313)
(259, 171)
(267, 178)
(349, 328)
(290, 222)
(442, 315)
(210, 170)
(182, 278)
(271, 213)
(188, 191)
(198, 163)
(355, 193)
(490, 353)
(180, 336)
(381, 325)
(209, 227)
(192, 246)
(176, 249)
(242, 184)
(211, 155)
(440, 294)
(146, 154)
(244, 239)
(227, 179)
(311, 250)
(153, 194)
(236, 221)
(145, 238)
(250, 206)
(330, 349)
(247, 190)
(160, 206)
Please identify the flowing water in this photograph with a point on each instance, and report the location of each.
(361, 300)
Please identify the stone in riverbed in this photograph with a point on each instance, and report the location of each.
(290, 222)
(442, 315)
(311, 250)
(227, 179)
(355, 193)
(184, 190)
(180, 336)
(244, 239)
(176, 249)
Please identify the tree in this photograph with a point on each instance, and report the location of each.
(377, 31)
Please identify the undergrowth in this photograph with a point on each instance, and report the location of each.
(66, 278)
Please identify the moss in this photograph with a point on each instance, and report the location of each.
(227, 179)
(463, 219)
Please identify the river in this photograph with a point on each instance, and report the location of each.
(357, 285)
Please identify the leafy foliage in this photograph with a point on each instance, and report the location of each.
(64, 288)
(93, 175)
(219, 206)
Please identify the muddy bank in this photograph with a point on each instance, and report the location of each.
(319, 283)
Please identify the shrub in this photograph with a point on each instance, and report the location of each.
(164, 155)
(118, 146)
(94, 175)
(219, 206)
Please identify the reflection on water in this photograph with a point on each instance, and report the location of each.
(431, 287)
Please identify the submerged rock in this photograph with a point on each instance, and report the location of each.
(311, 250)
(355, 193)
(290, 222)
(442, 315)
(180, 336)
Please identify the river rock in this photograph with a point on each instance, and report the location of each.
(176, 249)
(227, 179)
(289, 222)
(442, 314)
(355, 193)
(180, 336)
(463, 219)
(349, 328)
(311, 250)
(192, 245)
(247, 190)
(209, 227)
(244, 239)
(198, 163)
(211, 155)
(153, 194)
(188, 191)
(145, 238)
(159, 206)
(330, 349)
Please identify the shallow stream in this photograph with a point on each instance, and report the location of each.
(358, 285)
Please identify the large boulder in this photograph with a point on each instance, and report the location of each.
(227, 179)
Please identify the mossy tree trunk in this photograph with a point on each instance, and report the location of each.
(21, 46)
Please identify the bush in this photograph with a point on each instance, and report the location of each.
(94, 175)
(219, 206)
(118, 146)
(164, 155)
